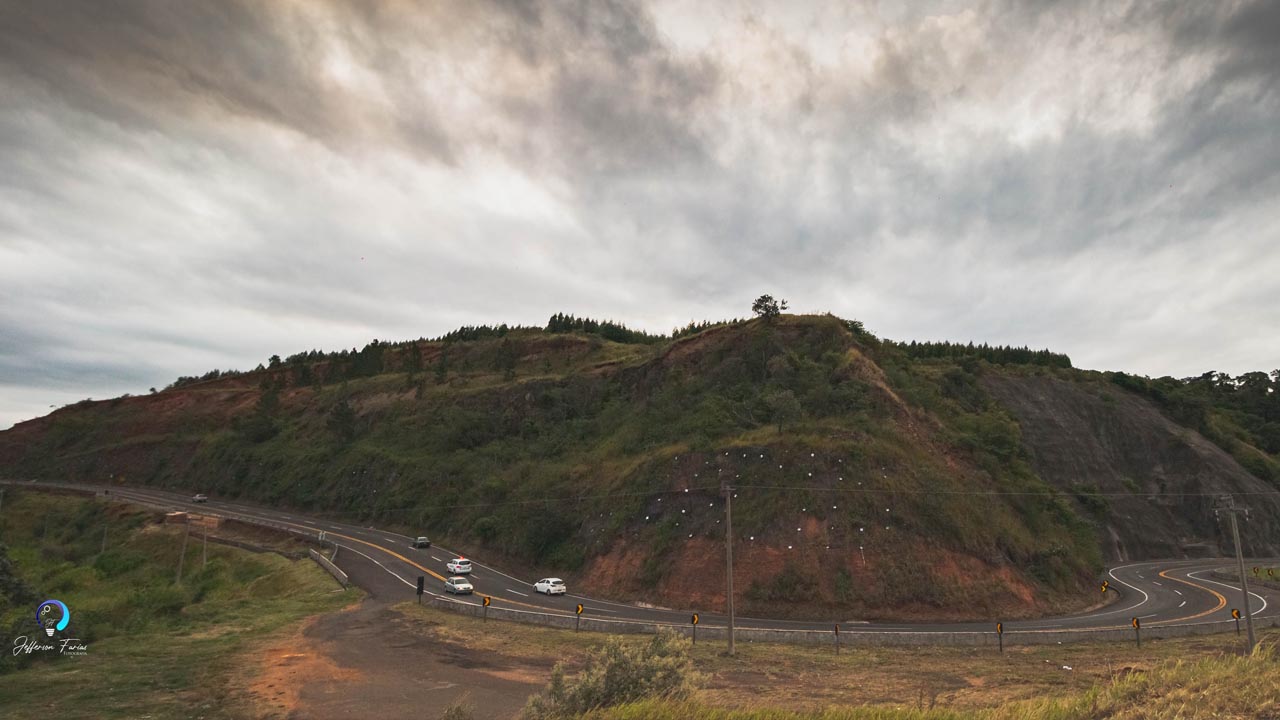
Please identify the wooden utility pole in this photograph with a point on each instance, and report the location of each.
(1228, 506)
(728, 558)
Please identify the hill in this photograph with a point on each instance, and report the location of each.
(873, 479)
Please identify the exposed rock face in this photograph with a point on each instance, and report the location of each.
(1087, 434)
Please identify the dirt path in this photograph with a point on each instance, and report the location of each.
(365, 662)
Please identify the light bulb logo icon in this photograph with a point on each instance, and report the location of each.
(48, 617)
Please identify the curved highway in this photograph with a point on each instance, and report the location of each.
(1171, 592)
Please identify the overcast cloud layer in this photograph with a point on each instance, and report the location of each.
(186, 186)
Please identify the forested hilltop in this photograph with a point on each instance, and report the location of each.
(873, 479)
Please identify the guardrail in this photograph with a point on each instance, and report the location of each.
(327, 564)
(847, 637)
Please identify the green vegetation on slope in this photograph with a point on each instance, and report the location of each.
(155, 648)
(859, 468)
(1241, 414)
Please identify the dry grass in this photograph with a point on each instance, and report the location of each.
(1058, 681)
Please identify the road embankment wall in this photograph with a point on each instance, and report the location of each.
(849, 636)
(327, 564)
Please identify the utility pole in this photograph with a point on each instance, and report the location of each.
(728, 558)
(183, 556)
(1228, 505)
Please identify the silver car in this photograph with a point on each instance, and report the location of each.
(458, 586)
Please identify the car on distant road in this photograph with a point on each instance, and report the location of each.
(459, 566)
(550, 586)
(199, 497)
(458, 586)
(421, 542)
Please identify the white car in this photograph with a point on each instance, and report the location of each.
(199, 497)
(459, 566)
(550, 586)
(458, 586)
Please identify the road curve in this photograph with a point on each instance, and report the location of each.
(1168, 592)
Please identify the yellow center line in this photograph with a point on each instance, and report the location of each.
(429, 571)
(1222, 601)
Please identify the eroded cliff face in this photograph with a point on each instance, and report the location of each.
(1086, 435)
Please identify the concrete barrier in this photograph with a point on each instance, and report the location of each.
(327, 564)
(850, 636)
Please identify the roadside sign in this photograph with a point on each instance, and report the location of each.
(422, 584)
(1137, 631)
(1271, 572)
(1000, 628)
(1137, 623)
(1256, 570)
(1236, 614)
(486, 600)
(694, 620)
(579, 608)
(1105, 584)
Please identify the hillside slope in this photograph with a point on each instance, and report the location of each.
(1158, 478)
(869, 483)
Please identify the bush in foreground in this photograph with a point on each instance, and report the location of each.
(616, 674)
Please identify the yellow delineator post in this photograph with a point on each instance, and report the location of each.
(1137, 631)
(486, 608)
(578, 620)
(1000, 635)
(694, 621)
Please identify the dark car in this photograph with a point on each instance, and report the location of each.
(421, 542)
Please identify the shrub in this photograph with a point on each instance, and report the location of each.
(617, 674)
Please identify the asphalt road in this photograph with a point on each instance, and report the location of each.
(1168, 592)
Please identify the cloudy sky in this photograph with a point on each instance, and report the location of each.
(188, 186)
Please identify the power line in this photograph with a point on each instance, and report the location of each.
(1047, 493)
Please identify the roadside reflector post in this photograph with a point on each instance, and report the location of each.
(694, 621)
(837, 639)
(422, 586)
(486, 608)
(1000, 635)
(1235, 614)
(577, 625)
(1137, 631)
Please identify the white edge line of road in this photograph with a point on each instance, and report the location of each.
(1232, 587)
(394, 574)
(1145, 596)
(517, 592)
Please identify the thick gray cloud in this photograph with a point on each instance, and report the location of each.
(186, 186)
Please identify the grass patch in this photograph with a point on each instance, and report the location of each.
(157, 649)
